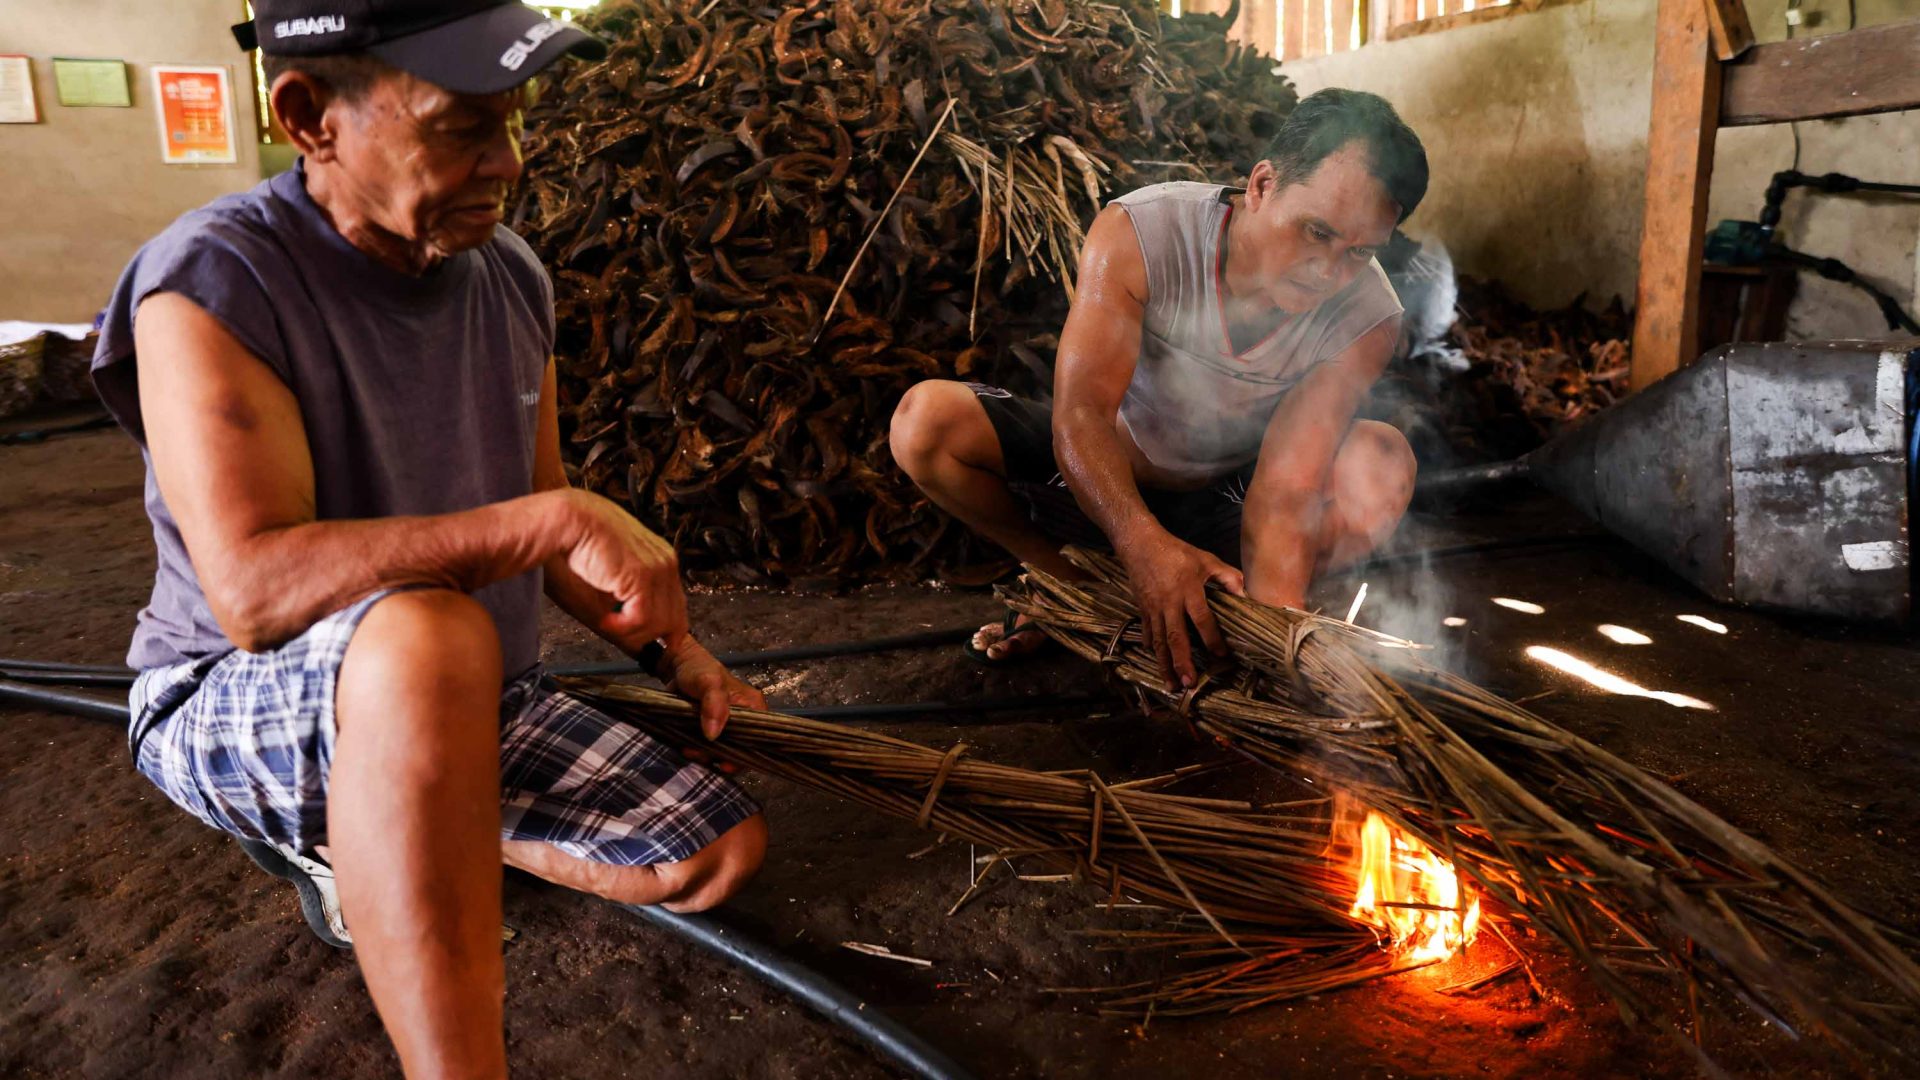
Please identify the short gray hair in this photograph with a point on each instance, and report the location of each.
(348, 75)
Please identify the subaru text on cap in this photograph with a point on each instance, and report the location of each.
(466, 46)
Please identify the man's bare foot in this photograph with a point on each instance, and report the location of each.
(994, 643)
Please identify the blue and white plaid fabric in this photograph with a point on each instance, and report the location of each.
(244, 742)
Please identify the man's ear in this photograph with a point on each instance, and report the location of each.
(304, 107)
(1262, 182)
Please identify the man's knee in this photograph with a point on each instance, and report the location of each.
(926, 422)
(718, 870)
(1376, 472)
(436, 639)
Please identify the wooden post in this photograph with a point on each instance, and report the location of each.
(1732, 32)
(1293, 29)
(1686, 115)
(1340, 19)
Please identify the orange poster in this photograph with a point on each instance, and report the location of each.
(196, 115)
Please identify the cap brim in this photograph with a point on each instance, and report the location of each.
(487, 53)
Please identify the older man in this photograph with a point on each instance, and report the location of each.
(341, 380)
(1202, 423)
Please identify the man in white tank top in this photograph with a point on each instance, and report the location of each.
(1205, 388)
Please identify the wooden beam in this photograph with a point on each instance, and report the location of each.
(1340, 19)
(1314, 29)
(1732, 33)
(1876, 69)
(1686, 97)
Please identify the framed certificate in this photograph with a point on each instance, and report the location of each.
(195, 108)
(91, 83)
(17, 104)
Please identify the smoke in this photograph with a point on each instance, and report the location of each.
(1430, 293)
(1410, 600)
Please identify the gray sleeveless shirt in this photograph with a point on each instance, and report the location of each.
(419, 394)
(1195, 407)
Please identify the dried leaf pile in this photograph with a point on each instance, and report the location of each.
(765, 222)
(1645, 887)
(1507, 378)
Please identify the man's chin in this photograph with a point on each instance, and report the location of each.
(454, 238)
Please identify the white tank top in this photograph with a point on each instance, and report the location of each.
(1196, 408)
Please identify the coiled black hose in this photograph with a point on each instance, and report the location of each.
(106, 675)
(805, 985)
(808, 987)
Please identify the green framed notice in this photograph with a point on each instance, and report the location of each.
(92, 83)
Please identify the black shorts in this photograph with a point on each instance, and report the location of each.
(1208, 518)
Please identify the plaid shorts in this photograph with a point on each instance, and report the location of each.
(1208, 517)
(244, 742)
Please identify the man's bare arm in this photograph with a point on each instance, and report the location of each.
(686, 665)
(1280, 524)
(231, 457)
(1099, 349)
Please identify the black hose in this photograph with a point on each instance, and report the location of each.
(24, 669)
(951, 636)
(810, 988)
(935, 708)
(19, 691)
(92, 708)
(121, 679)
(55, 665)
(21, 438)
(1481, 547)
(805, 985)
(1473, 476)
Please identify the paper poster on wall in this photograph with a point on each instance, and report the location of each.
(17, 105)
(196, 115)
(91, 83)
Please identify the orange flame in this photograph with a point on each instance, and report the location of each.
(1413, 896)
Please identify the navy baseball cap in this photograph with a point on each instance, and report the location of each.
(466, 46)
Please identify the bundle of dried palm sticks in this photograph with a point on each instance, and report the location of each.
(1256, 883)
(1634, 878)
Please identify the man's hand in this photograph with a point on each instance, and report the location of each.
(640, 572)
(693, 673)
(1169, 579)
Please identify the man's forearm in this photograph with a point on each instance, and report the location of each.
(1095, 466)
(271, 586)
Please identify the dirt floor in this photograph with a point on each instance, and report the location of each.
(139, 943)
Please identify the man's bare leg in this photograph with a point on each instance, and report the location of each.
(413, 819)
(1368, 491)
(943, 440)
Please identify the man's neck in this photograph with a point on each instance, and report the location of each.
(1244, 299)
(352, 220)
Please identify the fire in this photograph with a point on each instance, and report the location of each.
(1411, 894)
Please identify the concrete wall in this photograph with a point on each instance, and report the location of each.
(84, 188)
(1536, 127)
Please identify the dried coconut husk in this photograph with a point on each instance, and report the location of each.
(759, 241)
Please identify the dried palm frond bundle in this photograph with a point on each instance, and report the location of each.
(1635, 879)
(765, 221)
(1257, 885)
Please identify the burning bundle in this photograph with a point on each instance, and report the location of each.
(1634, 878)
(765, 222)
(1284, 916)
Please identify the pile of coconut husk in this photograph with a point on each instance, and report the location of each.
(765, 222)
(1506, 378)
